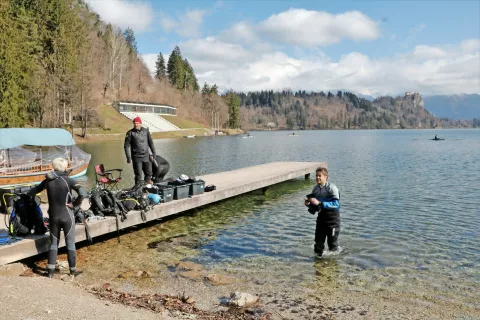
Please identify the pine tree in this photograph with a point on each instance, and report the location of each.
(233, 102)
(161, 71)
(176, 69)
(130, 38)
(17, 64)
(190, 78)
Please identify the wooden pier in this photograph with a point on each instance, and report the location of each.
(229, 184)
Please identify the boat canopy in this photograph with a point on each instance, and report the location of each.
(15, 137)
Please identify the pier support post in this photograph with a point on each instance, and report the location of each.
(264, 190)
(307, 176)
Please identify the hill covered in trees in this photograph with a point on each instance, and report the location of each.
(341, 110)
(60, 62)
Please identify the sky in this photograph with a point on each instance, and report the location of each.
(369, 47)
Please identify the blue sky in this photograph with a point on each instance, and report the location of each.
(370, 47)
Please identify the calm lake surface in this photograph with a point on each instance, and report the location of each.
(410, 208)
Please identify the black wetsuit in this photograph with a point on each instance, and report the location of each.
(59, 192)
(328, 219)
(139, 141)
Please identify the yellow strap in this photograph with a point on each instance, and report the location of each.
(132, 199)
(5, 201)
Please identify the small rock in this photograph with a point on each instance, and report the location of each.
(139, 274)
(187, 265)
(48, 311)
(192, 275)
(242, 299)
(219, 279)
(106, 285)
(190, 300)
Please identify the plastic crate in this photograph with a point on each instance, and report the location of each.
(181, 191)
(166, 192)
(196, 187)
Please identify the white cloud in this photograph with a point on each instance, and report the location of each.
(427, 52)
(317, 28)
(187, 25)
(471, 45)
(427, 69)
(137, 15)
(305, 28)
(241, 32)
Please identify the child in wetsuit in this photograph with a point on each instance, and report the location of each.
(324, 199)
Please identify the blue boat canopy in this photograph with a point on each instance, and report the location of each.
(15, 137)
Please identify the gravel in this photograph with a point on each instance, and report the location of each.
(36, 298)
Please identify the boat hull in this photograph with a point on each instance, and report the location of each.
(37, 177)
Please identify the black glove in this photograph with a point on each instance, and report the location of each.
(313, 208)
(129, 160)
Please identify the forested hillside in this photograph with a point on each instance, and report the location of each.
(342, 110)
(60, 62)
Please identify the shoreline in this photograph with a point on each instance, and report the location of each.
(199, 132)
(205, 132)
(185, 298)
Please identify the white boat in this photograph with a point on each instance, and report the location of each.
(190, 136)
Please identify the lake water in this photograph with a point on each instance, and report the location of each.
(410, 209)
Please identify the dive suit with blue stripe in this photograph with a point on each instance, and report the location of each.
(59, 192)
(328, 219)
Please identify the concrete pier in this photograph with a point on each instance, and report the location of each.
(229, 184)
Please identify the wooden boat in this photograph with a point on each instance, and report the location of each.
(26, 155)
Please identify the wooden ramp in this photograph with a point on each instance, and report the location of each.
(229, 184)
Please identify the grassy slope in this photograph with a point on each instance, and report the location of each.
(182, 123)
(115, 125)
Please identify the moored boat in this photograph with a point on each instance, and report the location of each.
(26, 155)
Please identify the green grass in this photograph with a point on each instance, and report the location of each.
(182, 123)
(114, 121)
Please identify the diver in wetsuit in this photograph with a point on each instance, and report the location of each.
(60, 210)
(324, 199)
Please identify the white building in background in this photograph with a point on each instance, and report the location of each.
(151, 114)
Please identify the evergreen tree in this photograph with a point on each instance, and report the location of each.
(17, 64)
(233, 103)
(190, 78)
(176, 69)
(130, 38)
(205, 89)
(161, 71)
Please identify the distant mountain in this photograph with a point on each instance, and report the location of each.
(459, 107)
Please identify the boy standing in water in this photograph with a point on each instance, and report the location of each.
(324, 199)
